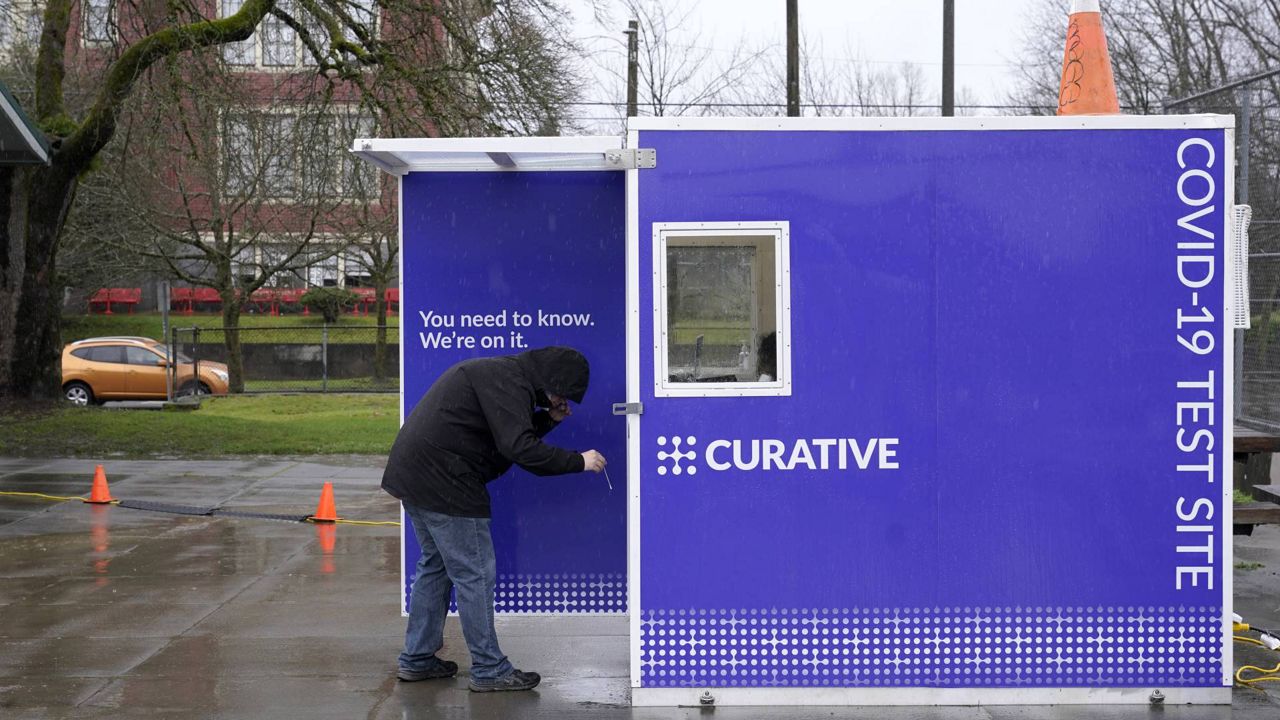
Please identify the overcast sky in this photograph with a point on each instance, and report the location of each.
(988, 34)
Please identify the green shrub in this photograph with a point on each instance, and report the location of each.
(329, 301)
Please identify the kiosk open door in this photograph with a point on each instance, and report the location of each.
(508, 244)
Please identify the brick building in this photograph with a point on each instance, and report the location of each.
(273, 140)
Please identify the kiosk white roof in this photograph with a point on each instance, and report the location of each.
(403, 155)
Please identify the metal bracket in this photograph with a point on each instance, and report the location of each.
(628, 408)
(632, 158)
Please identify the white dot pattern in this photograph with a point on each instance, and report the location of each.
(1114, 646)
(581, 593)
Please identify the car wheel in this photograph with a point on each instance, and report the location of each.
(193, 388)
(79, 394)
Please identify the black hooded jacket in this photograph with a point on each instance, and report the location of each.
(477, 419)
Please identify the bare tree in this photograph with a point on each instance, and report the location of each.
(228, 189)
(450, 67)
(837, 86)
(680, 72)
(1160, 49)
(373, 243)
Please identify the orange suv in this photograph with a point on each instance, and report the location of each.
(132, 368)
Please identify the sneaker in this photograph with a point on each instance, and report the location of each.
(517, 680)
(444, 669)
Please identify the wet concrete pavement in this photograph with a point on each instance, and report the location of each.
(118, 613)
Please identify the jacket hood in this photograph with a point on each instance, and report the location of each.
(562, 371)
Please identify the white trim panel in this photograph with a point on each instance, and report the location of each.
(1227, 502)
(404, 519)
(633, 420)
(780, 230)
(1047, 122)
(829, 696)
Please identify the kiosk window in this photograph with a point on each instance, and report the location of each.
(721, 314)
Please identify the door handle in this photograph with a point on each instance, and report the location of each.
(628, 408)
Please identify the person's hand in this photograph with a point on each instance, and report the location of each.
(592, 461)
(559, 409)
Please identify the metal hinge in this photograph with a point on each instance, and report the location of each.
(632, 158)
(628, 408)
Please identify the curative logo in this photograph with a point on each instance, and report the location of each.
(812, 454)
(677, 454)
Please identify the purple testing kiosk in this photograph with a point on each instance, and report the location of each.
(913, 411)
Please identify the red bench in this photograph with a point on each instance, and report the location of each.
(206, 296)
(266, 300)
(182, 300)
(365, 297)
(393, 301)
(106, 297)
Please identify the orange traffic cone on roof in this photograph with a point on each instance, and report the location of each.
(100, 494)
(326, 511)
(1088, 87)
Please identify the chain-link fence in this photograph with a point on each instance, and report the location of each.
(328, 358)
(1258, 185)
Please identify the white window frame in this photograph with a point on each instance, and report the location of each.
(86, 21)
(255, 49)
(273, 27)
(780, 231)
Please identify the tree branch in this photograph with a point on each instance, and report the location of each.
(99, 125)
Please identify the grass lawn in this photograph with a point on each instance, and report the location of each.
(242, 425)
(354, 384)
(78, 327)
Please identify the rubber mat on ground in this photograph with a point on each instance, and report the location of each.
(166, 507)
(259, 515)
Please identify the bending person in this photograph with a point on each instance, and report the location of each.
(475, 421)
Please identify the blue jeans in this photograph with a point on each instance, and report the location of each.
(457, 552)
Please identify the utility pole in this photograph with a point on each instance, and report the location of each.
(633, 65)
(948, 58)
(793, 59)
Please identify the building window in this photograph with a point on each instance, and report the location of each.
(279, 154)
(365, 14)
(238, 154)
(318, 155)
(242, 52)
(355, 269)
(7, 20)
(722, 309)
(97, 20)
(244, 266)
(258, 154)
(357, 179)
(279, 44)
(274, 146)
(319, 39)
(322, 268)
(35, 25)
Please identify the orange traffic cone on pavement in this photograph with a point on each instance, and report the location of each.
(1088, 87)
(100, 494)
(326, 511)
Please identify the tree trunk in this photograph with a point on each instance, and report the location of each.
(231, 339)
(380, 338)
(38, 200)
(12, 262)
